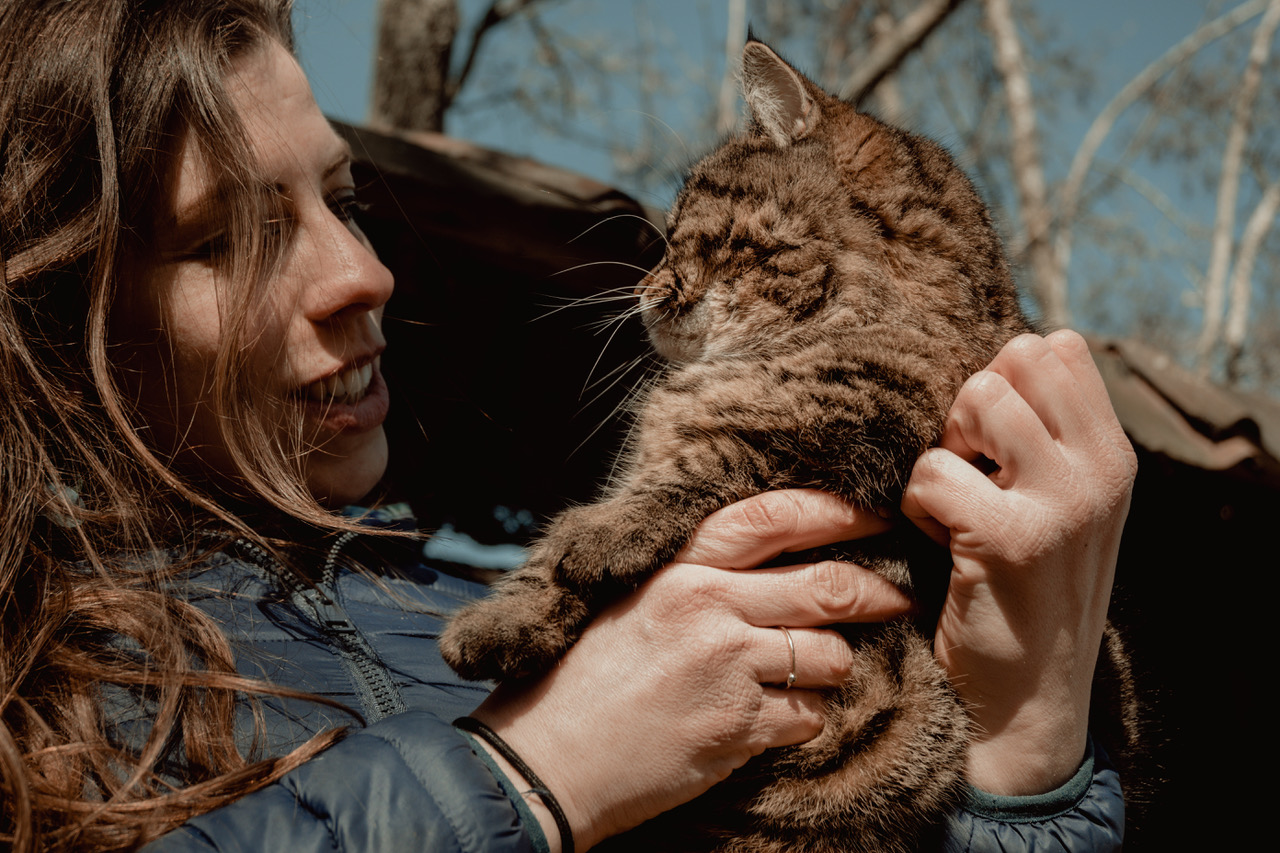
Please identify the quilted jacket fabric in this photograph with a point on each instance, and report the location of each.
(406, 779)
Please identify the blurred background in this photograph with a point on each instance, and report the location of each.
(519, 155)
(1130, 147)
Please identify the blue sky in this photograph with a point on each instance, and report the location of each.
(336, 39)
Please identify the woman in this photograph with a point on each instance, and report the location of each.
(192, 388)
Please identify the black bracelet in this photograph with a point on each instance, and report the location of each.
(471, 724)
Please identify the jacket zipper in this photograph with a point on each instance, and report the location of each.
(378, 693)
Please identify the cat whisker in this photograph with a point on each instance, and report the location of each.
(601, 325)
(585, 264)
(611, 294)
(630, 403)
(618, 373)
(619, 318)
(391, 319)
(618, 294)
(679, 137)
(623, 405)
(592, 383)
(656, 228)
(617, 327)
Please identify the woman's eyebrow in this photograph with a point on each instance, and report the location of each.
(343, 158)
(205, 204)
(209, 200)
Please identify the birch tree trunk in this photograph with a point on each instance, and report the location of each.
(735, 38)
(1048, 286)
(1264, 215)
(1229, 188)
(1068, 200)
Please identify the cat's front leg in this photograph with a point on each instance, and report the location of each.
(606, 549)
(589, 557)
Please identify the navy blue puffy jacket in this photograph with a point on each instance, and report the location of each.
(408, 781)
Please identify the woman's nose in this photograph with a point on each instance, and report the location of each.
(346, 275)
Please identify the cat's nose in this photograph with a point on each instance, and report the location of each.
(653, 281)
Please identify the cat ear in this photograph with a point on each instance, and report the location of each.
(781, 106)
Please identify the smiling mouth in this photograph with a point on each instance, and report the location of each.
(342, 389)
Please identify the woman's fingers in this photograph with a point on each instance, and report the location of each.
(759, 528)
(805, 658)
(1047, 376)
(947, 495)
(789, 717)
(823, 593)
(807, 595)
(1074, 352)
(1057, 380)
(991, 419)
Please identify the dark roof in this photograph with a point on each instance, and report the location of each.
(1169, 411)
(529, 217)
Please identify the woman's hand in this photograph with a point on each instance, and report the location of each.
(1034, 546)
(679, 684)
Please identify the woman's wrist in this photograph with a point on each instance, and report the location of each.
(1033, 751)
(1032, 807)
(532, 793)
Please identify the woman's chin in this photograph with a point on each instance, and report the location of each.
(344, 471)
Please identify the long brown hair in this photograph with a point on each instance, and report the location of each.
(94, 95)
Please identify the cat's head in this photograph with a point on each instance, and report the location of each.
(819, 216)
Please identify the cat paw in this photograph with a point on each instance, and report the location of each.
(521, 629)
(608, 548)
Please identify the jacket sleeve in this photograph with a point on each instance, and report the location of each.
(1085, 814)
(408, 782)
(412, 782)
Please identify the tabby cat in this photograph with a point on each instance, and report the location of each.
(829, 284)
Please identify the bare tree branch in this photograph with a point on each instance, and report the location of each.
(1174, 213)
(412, 86)
(497, 13)
(1068, 199)
(1229, 186)
(555, 61)
(1255, 231)
(1163, 101)
(1028, 169)
(888, 52)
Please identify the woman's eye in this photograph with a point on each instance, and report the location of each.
(347, 206)
(211, 248)
(216, 248)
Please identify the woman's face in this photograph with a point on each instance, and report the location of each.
(316, 339)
